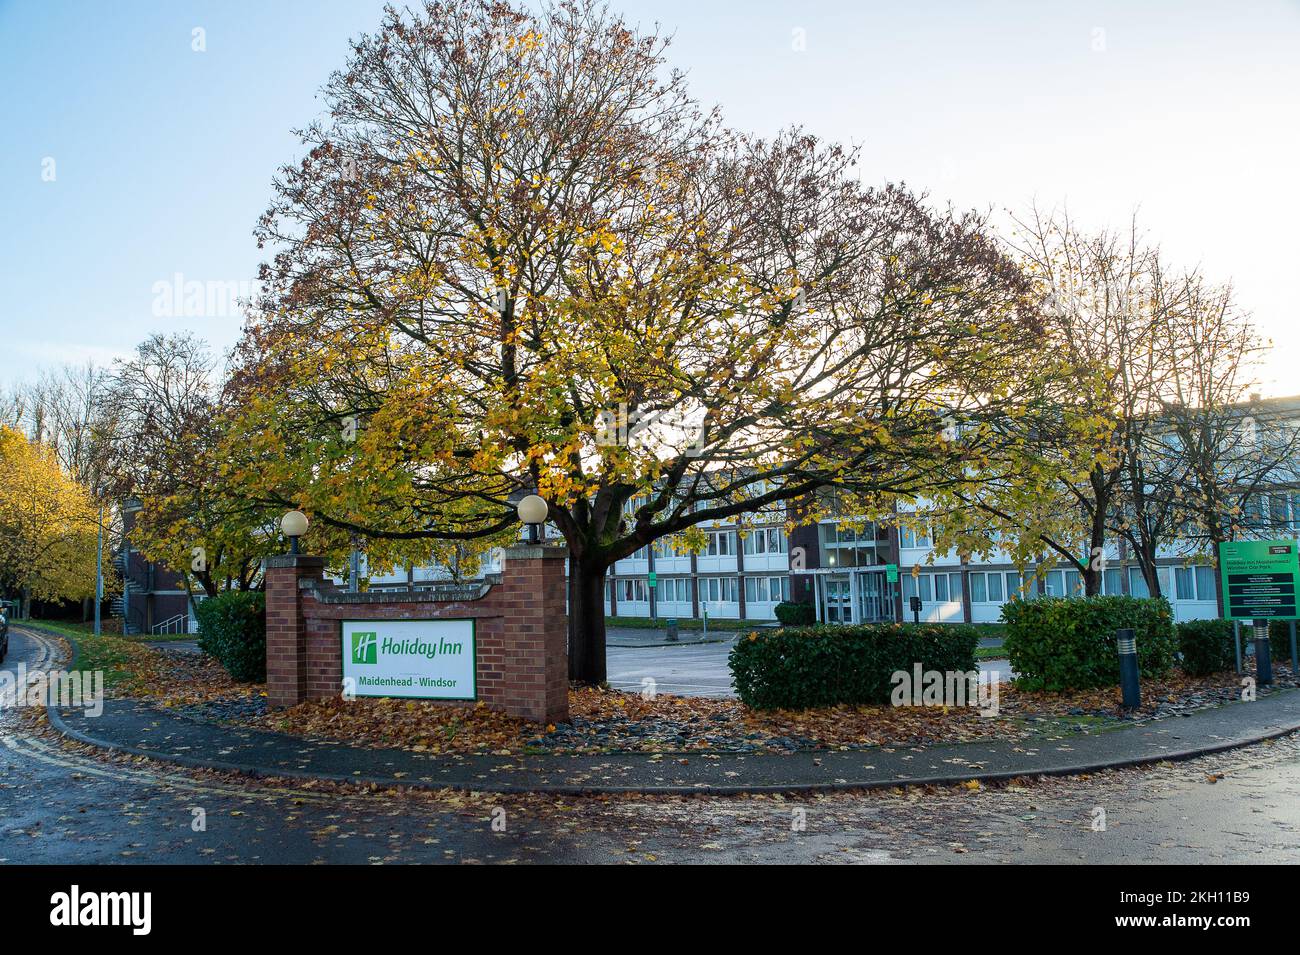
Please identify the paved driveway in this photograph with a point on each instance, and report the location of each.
(696, 669)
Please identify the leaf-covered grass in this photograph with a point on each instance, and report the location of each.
(127, 666)
(112, 626)
(132, 668)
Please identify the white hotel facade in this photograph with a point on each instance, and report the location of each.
(743, 575)
(842, 573)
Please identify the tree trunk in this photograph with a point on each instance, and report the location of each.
(1095, 562)
(1095, 566)
(586, 621)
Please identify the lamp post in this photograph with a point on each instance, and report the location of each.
(532, 511)
(294, 525)
(99, 571)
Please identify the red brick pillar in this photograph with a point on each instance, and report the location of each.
(286, 637)
(535, 637)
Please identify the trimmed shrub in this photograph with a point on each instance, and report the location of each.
(1068, 643)
(232, 629)
(795, 614)
(803, 667)
(1206, 646)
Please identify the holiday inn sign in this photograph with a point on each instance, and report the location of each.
(419, 659)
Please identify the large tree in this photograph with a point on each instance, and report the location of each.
(47, 525)
(1108, 306)
(166, 405)
(517, 257)
(1222, 461)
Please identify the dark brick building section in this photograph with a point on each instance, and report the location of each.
(520, 623)
(153, 594)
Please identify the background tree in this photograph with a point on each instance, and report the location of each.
(518, 257)
(166, 405)
(1223, 461)
(47, 525)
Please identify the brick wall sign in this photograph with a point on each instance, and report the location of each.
(503, 642)
(421, 659)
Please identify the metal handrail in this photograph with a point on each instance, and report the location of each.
(180, 622)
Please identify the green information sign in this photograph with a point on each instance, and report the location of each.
(652, 579)
(891, 573)
(1260, 579)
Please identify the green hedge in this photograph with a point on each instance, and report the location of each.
(1279, 639)
(1068, 643)
(1206, 646)
(795, 614)
(232, 628)
(803, 667)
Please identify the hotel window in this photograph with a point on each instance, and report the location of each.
(846, 547)
(765, 540)
(1110, 583)
(1020, 587)
(947, 588)
(985, 588)
(721, 543)
(1137, 585)
(1054, 584)
(1194, 583)
(666, 591)
(1206, 584)
(634, 591)
(767, 589)
(913, 537)
(1277, 511)
(1074, 585)
(917, 587)
(719, 589)
(675, 589)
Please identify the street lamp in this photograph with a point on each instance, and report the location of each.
(294, 525)
(532, 511)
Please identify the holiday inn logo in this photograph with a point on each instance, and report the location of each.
(365, 647)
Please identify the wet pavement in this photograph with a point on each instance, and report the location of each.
(58, 804)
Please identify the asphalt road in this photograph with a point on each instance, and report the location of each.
(62, 805)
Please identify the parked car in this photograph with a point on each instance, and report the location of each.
(4, 634)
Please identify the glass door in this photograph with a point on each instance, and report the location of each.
(839, 600)
(874, 596)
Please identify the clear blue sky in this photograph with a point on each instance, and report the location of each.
(163, 156)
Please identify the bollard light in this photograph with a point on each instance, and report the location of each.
(532, 511)
(293, 525)
(1128, 669)
(1263, 653)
